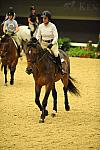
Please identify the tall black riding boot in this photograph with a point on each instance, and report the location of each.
(18, 51)
(32, 33)
(58, 61)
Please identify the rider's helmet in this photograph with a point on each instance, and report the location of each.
(10, 13)
(46, 14)
(32, 8)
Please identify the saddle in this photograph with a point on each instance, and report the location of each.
(53, 59)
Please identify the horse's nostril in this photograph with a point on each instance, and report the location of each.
(29, 70)
(2, 55)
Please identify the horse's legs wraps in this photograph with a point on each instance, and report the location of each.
(54, 94)
(67, 107)
(37, 92)
(5, 72)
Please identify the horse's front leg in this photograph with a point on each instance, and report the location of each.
(44, 104)
(12, 71)
(37, 95)
(54, 94)
(5, 73)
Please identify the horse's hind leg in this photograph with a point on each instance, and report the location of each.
(12, 71)
(54, 94)
(67, 107)
(5, 73)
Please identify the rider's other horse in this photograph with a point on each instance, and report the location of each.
(41, 63)
(9, 56)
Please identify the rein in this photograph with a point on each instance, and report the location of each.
(39, 60)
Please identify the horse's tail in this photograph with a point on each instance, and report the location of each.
(72, 88)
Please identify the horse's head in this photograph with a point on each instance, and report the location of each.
(32, 52)
(3, 46)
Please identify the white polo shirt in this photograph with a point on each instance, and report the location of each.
(47, 32)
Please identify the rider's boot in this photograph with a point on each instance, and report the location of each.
(18, 52)
(58, 61)
(31, 33)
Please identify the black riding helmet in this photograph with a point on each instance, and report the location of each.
(32, 8)
(10, 13)
(46, 14)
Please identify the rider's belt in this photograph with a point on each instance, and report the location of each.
(48, 41)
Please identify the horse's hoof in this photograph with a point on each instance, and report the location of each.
(53, 113)
(11, 82)
(41, 120)
(46, 112)
(67, 108)
(5, 84)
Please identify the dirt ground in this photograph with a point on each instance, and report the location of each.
(78, 129)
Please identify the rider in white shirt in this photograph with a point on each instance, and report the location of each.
(47, 35)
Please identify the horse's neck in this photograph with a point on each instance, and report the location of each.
(43, 54)
(11, 45)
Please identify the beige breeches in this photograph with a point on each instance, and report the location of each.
(54, 48)
(31, 27)
(15, 37)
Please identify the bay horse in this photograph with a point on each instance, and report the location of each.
(9, 56)
(45, 72)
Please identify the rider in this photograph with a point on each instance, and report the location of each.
(47, 35)
(11, 27)
(10, 9)
(33, 20)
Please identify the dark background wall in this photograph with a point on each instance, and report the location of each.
(76, 19)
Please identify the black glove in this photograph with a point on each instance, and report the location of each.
(5, 33)
(12, 34)
(50, 46)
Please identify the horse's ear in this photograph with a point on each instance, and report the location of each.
(2, 36)
(34, 40)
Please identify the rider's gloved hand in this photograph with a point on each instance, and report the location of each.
(50, 46)
(12, 34)
(5, 33)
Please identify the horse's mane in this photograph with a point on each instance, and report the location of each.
(4, 38)
(33, 43)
